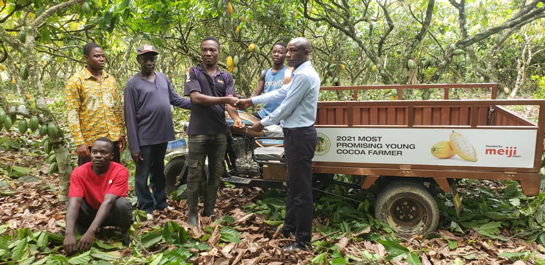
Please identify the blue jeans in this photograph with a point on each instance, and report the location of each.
(152, 166)
(200, 147)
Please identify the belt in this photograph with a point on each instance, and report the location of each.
(298, 128)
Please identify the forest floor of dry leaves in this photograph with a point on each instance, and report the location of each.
(29, 202)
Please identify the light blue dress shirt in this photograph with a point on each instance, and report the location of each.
(300, 99)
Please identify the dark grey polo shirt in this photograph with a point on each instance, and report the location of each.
(208, 119)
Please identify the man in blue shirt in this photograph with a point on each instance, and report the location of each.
(296, 114)
(148, 96)
(272, 79)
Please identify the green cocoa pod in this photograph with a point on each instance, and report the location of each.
(34, 123)
(22, 126)
(43, 130)
(411, 64)
(3, 116)
(52, 130)
(86, 7)
(52, 158)
(47, 146)
(53, 168)
(458, 52)
(8, 124)
(24, 72)
(22, 36)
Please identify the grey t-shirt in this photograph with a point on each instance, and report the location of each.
(147, 110)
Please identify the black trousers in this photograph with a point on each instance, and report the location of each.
(151, 168)
(117, 155)
(120, 215)
(299, 147)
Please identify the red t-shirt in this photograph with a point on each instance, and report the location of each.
(84, 183)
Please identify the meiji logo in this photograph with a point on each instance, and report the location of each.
(509, 151)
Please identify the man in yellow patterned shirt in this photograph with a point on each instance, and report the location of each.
(94, 108)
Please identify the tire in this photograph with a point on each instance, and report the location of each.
(174, 175)
(407, 207)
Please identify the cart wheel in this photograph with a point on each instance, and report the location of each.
(174, 175)
(408, 208)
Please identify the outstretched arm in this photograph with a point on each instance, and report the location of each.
(205, 100)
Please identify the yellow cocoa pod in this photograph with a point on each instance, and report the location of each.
(442, 150)
(251, 47)
(343, 67)
(229, 8)
(229, 61)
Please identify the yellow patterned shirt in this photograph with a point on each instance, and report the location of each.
(94, 108)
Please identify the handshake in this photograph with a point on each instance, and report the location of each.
(241, 104)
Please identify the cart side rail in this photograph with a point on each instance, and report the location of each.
(400, 88)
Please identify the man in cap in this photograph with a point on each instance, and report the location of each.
(148, 96)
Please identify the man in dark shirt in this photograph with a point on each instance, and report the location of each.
(148, 96)
(212, 91)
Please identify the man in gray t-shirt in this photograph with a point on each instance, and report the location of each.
(148, 96)
(212, 91)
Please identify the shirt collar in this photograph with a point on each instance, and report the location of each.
(87, 74)
(201, 68)
(301, 67)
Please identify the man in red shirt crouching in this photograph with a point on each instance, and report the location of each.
(97, 198)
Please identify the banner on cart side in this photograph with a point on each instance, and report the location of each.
(447, 147)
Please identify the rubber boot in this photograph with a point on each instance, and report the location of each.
(192, 206)
(210, 194)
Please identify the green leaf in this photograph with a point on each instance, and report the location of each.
(490, 228)
(97, 254)
(174, 234)
(339, 261)
(513, 255)
(22, 170)
(229, 234)
(539, 261)
(452, 244)
(21, 250)
(320, 259)
(273, 223)
(41, 261)
(394, 248)
(82, 258)
(151, 238)
(413, 259)
(3, 228)
(458, 261)
(227, 219)
(42, 240)
(455, 227)
(203, 247)
(156, 259)
(102, 245)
